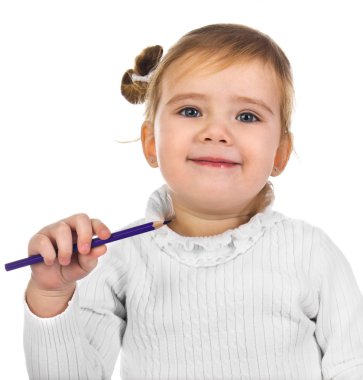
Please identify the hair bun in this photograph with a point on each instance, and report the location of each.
(135, 81)
(148, 60)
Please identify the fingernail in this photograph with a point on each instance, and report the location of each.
(105, 232)
(64, 261)
(85, 247)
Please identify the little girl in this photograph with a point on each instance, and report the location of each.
(230, 289)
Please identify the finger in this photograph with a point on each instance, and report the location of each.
(41, 244)
(100, 229)
(82, 225)
(61, 234)
(97, 228)
(89, 262)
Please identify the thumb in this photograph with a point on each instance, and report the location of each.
(89, 261)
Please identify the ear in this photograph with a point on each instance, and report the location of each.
(148, 143)
(282, 155)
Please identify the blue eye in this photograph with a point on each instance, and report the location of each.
(247, 117)
(189, 112)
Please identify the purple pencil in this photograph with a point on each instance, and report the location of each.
(137, 230)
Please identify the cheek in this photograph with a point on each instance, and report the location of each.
(258, 153)
(171, 138)
(164, 140)
(169, 153)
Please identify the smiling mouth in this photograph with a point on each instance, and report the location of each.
(214, 162)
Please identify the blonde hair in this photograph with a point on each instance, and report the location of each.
(223, 45)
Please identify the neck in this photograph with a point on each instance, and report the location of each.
(191, 223)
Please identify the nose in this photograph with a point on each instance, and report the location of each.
(215, 131)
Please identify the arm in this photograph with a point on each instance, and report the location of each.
(82, 342)
(339, 324)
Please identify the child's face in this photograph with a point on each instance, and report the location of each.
(228, 115)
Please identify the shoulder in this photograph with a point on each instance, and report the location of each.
(312, 244)
(309, 236)
(326, 256)
(294, 227)
(319, 237)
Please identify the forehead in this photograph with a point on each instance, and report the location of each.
(212, 60)
(237, 73)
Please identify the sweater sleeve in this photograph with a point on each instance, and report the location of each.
(339, 323)
(84, 341)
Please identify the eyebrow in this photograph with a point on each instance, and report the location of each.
(194, 95)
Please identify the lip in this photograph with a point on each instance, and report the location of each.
(214, 161)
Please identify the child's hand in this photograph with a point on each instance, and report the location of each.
(61, 273)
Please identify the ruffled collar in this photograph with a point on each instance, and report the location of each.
(205, 250)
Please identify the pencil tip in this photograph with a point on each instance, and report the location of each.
(160, 223)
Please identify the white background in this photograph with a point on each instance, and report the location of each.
(61, 112)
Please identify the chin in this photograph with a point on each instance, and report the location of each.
(213, 202)
(207, 195)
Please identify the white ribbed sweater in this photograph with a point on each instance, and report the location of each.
(272, 299)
